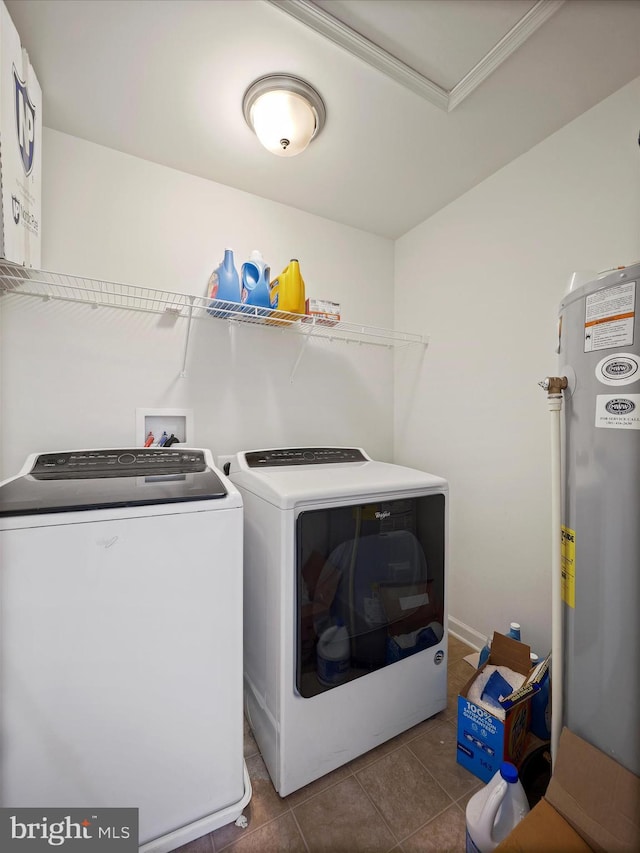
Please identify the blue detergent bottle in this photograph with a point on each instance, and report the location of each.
(224, 285)
(255, 274)
(484, 654)
(514, 631)
(540, 724)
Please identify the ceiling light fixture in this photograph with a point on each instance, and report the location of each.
(284, 112)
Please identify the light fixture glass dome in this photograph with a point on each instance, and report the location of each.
(285, 113)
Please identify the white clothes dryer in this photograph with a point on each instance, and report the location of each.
(121, 639)
(345, 604)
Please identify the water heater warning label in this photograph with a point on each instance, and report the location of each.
(618, 411)
(568, 557)
(610, 317)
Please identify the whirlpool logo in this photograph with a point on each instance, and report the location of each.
(620, 406)
(78, 830)
(25, 122)
(381, 515)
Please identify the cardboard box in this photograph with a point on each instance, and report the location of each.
(20, 150)
(592, 803)
(484, 740)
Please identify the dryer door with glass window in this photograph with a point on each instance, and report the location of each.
(369, 587)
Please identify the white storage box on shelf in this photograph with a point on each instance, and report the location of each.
(20, 149)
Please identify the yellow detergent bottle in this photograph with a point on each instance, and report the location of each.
(287, 291)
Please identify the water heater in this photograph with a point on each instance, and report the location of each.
(600, 356)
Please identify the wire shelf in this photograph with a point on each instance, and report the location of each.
(15, 279)
(22, 281)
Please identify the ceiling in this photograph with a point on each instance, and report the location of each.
(425, 98)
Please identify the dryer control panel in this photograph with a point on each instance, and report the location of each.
(303, 456)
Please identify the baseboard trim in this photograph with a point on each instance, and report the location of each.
(465, 633)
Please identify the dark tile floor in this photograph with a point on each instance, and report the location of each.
(407, 795)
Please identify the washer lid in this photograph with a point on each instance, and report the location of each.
(101, 479)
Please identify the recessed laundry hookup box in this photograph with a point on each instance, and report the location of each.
(488, 737)
(20, 149)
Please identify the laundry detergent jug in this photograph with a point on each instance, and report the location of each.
(255, 281)
(287, 290)
(333, 655)
(540, 723)
(224, 286)
(495, 810)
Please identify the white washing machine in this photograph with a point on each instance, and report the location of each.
(121, 639)
(345, 604)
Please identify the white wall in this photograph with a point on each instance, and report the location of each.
(486, 275)
(73, 376)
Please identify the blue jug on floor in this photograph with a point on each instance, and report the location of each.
(224, 285)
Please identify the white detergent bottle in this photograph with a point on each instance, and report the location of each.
(333, 655)
(494, 811)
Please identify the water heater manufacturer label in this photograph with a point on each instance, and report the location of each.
(619, 369)
(618, 411)
(609, 317)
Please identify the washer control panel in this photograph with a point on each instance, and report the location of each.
(303, 456)
(117, 463)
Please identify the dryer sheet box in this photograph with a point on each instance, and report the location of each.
(20, 150)
(323, 312)
(484, 739)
